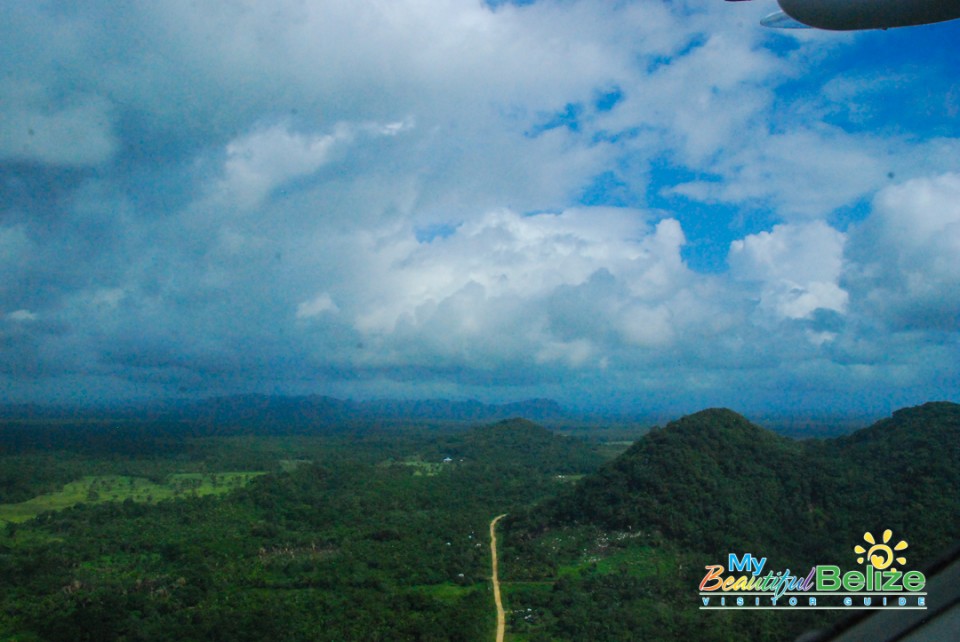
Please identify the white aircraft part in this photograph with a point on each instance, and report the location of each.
(780, 20)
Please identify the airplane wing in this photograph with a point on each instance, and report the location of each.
(780, 20)
(855, 15)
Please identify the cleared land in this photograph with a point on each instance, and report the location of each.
(98, 489)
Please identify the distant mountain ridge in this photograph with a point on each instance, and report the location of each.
(247, 409)
(316, 409)
(303, 410)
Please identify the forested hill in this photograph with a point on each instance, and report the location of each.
(714, 482)
(519, 442)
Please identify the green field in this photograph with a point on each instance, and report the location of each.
(98, 489)
(422, 468)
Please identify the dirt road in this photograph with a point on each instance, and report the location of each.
(501, 618)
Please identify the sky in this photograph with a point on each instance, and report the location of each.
(636, 205)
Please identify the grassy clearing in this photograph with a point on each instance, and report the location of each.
(447, 590)
(426, 470)
(640, 561)
(421, 468)
(290, 465)
(98, 489)
(568, 478)
(613, 449)
(520, 600)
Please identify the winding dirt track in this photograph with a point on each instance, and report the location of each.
(501, 618)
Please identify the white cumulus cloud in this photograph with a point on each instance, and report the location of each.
(905, 266)
(798, 267)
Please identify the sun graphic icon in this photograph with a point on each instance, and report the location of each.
(880, 555)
